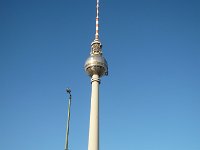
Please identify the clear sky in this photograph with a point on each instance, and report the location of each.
(149, 101)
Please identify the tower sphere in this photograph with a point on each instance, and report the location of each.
(96, 64)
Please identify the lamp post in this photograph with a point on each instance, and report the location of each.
(68, 118)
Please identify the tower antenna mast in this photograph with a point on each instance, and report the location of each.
(97, 22)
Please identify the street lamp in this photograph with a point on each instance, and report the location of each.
(68, 118)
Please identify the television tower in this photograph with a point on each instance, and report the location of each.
(96, 67)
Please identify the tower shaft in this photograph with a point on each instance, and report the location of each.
(93, 143)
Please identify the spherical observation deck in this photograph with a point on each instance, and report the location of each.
(96, 64)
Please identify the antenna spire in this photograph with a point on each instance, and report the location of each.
(96, 44)
(97, 22)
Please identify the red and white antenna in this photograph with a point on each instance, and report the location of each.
(97, 22)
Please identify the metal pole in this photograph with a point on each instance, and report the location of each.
(68, 119)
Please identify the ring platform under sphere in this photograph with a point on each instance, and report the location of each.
(96, 64)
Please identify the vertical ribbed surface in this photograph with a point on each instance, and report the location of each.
(93, 143)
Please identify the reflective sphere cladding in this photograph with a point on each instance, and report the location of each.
(96, 64)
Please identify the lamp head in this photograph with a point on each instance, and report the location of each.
(68, 90)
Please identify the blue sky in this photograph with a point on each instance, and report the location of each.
(149, 101)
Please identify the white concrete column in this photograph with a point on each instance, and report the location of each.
(93, 143)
